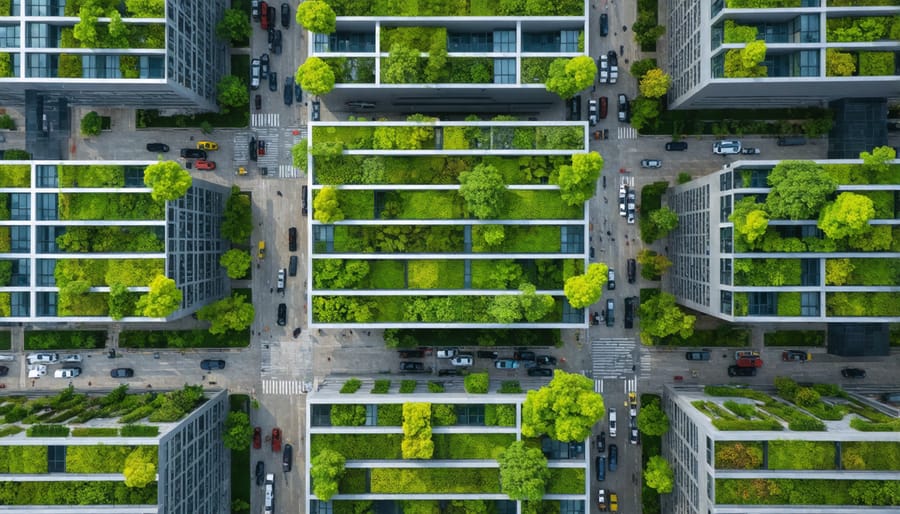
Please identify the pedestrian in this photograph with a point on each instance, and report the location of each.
(32, 383)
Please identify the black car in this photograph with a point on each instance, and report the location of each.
(700, 355)
(740, 371)
(270, 36)
(157, 147)
(276, 43)
(315, 112)
(411, 354)
(282, 314)
(4, 371)
(287, 458)
(540, 372)
(304, 209)
(484, 354)
(604, 25)
(264, 66)
(257, 102)
(853, 373)
(285, 15)
(292, 239)
(298, 93)
(524, 356)
(270, 13)
(273, 81)
(613, 58)
(601, 442)
(253, 146)
(417, 367)
(193, 153)
(613, 457)
(122, 373)
(292, 266)
(260, 472)
(289, 91)
(629, 312)
(452, 372)
(676, 146)
(600, 466)
(545, 360)
(632, 271)
(211, 364)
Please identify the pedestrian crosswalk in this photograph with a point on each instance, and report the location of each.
(264, 120)
(612, 358)
(627, 133)
(285, 387)
(288, 171)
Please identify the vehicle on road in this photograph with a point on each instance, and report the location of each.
(630, 218)
(745, 353)
(304, 208)
(122, 373)
(524, 356)
(603, 69)
(269, 502)
(279, 286)
(264, 16)
(254, 14)
(292, 239)
(613, 58)
(506, 364)
(604, 24)
(726, 147)
(37, 370)
(414, 367)
(193, 153)
(7, 358)
(462, 360)
(623, 107)
(546, 360)
(604, 107)
(292, 266)
(736, 371)
(282, 314)
(610, 312)
(540, 372)
(411, 354)
(72, 357)
(613, 502)
(699, 355)
(264, 66)
(276, 439)
(484, 354)
(207, 145)
(276, 46)
(613, 457)
(260, 471)
(255, 74)
(635, 438)
(629, 312)
(749, 150)
(601, 442)
(4, 371)
(257, 104)
(157, 147)
(315, 112)
(749, 362)
(593, 112)
(447, 353)
(601, 500)
(287, 458)
(612, 422)
(600, 467)
(285, 15)
(610, 279)
(853, 373)
(632, 271)
(257, 443)
(261, 250)
(260, 147)
(796, 355)
(450, 372)
(289, 91)
(203, 164)
(273, 81)
(42, 358)
(651, 163)
(298, 93)
(676, 146)
(67, 373)
(211, 364)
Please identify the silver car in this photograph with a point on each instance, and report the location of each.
(255, 73)
(651, 163)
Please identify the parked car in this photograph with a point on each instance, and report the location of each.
(314, 113)
(610, 279)
(613, 457)
(447, 353)
(67, 373)
(416, 367)
(623, 107)
(700, 355)
(277, 44)
(42, 358)
(122, 373)
(745, 353)
(601, 500)
(600, 467)
(613, 58)
(72, 357)
(484, 354)
(298, 93)
(601, 442)
(749, 362)
(727, 147)
(593, 112)
(257, 442)
(261, 147)
(7, 358)
(604, 24)
(676, 146)
(506, 364)
(211, 364)
(254, 14)
(524, 355)
(282, 314)
(651, 163)
(254, 147)
(635, 437)
(279, 284)
(796, 355)
(304, 208)
(603, 69)
(411, 354)
(264, 21)
(257, 103)
(737, 371)
(632, 271)
(450, 372)
(285, 15)
(292, 266)
(287, 458)
(157, 147)
(273, 81)
(612, 422)
(193, 153)
(613, 502)
(629, 311)
(610, 312)
(207, 145)
(4, 371)
(37, 370)
(853, 373)
(540, 372)
(546, 360)
(292, 239)
(203, 164)
(264, 66)
(749, 150)
(255, 74)
(270, 10)
(276, 439)
(604, 106)
(260, 471)
(289, 91)
(462, 360)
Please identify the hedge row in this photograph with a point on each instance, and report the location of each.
(76, 493)
(183, 339)
(795, 338)
(435, 481)
(23, 459)
(64, 339)
(566, 481)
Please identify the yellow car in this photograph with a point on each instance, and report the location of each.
(613, 502)
(261, 253)
(207, 145)
(632, 399)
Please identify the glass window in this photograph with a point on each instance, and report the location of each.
(505, 41)
(9, 36)
(47, 206)
(20, 206)
(46, 238)
(724, 207)
(716, 36)
(572, 239)
(568, 41)
(38, 35)
(20, 273)
(725, 241)
(571, 314)
(47, 176)
(809, 272)
(20, 304)
(152, 66)
(320, 42)
(725, 271)
(321, 415)
(725, 181)
(809, 304)
(20, 239)
(470, 414)
(56, 459)
(762, 303)
(371, 415)
(45, 268)
(809, 63)
(725, 302)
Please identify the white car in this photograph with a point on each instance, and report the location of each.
(622, 210)
(603, 63)
(67, 373)
(651, 163)
(37, 370)
(255, 73)
(72, 358)
(279, 286)
(43, 358)
(726, 147)
(631, 202)
(631, 218)
(461, 360)
(7, 358)
(446, 353)
(593, 112)
(613, 74)
(612, 422)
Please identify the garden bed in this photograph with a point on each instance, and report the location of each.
(435, 481)
(870, 455)
(411, 338)
(784, 491)
(471, 446)
(240, 459)
(109, 207)
(77, 493)
(739, 455)
(795, 338)
(726, 335)
(183, 339)
(64, 339)
(424, 309)
(862, 304)
(474, 8)
(443, 239)
(359, 446)
(819, 455)
(15, 175)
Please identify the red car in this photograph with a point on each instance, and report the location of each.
(257, 438)
(264, 15)
(749, 362)
(276, 439)
(205, 165)
(261, 147)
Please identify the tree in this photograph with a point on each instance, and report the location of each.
(167, 179)
(316, 16)
(234, 26)
(848, 215)
(651, 420)
(839, 64)
(230, 313)
(121, 302)
(566, 409)
(583, 290)
(140, 466)
(402, 65)
(640, 67)
(578, 182)
(646, 31)
(326, 207)
(535, 306)
(315, 75)
(665, 220)
(162, 299)
(879, 158)
(299, 154)
(483, 190)
(85, 31)
(523, 472)
(569, 76)
(237, 220)
(232, 92)
(644, 112)
(236, 262)
(799, 190)
(655, 83)
(417, 443)
(505, 309)
(658, 475)
(326, 470)
(118, 31)
(660, 317)
(652, 264)
(145, 8)
(91, 124)
(238, 433)
(744, 62)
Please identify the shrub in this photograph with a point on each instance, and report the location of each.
(443, 414)
(48, 431)
(381, 386)
(390, 415)
(91, 124)
(407, 386)
(351, 386)
(140, 431)
(348, 415)
(510, 386)
(435, 387)
(417, 443)
(738, 455)
(477, 383)
(95, 432)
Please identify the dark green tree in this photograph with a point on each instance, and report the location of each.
(91, 124)
(483, 190)
(651, 420)
(230, 313)
(236, 263)
(234, 26)
(238, 433)
(237, 220)
(231, 91)
(523, 472)
(799, 190)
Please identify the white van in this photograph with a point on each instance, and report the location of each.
(612, 422)
(280, 285)
(726, 147)
(270, 494)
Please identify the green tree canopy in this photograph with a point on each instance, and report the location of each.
(523, 472)
(653, 265)
(237, 220)
(750, 220)
(236, 262)
(658, 475)
(848, 215)
(85, 31)
(230, 313)
(745, 62)
(234, 26)
(799, 190)
(644, 112)
(569, 76)
(167, 179)
(91, 124)
(326, 206)
(879, 158)
(238, 433)
(146, 8)
(583, 290)
(660, 317)
(140, 466)
(315, 75)
(640, 67)
(578, 182)
(162, 299)
(535, 306)
(299, 154)
(402, 65)
(326, 469)
(566, 409)
(483, 190)
(655, 83)
(651, 420)
(316, 16)
(665, 220)
(231, 91)
(839, 64)
(417, 443)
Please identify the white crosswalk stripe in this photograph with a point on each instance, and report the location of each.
(264, 120)
(285, 387)
(627, 133)
(288, 171)
(612, 358)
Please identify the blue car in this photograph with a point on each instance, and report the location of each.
(506, 364)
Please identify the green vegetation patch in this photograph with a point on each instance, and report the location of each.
(566, 481)
(801, 455)
(470, 446)
(795, 338)
(5, 340)
(15, 175)
(64, 339)
(767, 272)
(23, 459)
(739, 455)
(875, 64)
(527, 205)
(110, 206)
(95, 432)
(78, 493)
(436, 274)
(240, 459)
(354, 481)
(359, 446)
(99, 458)
(783, 491)
(859, 304)
(386, 274)
(724, 335)
(435, 480)
(870, 456)
(532, 239)
(411, 338)
(200, 338)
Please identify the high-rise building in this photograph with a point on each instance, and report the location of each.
(73, 232)
(816, 51)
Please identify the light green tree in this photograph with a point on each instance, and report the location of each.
(505, 309)
(162, 299)
(578, 182)
(661, 317)
(326, 207)
(85, 31)
(483, 190)
(234, 26)
(665, 220)
(535, 306)
(140, 467)
(745, 62)
(316, 16)
(651, 420)
(653, 265)
(238, 432)
(878, 159)
(655, 83)
(848, 215)
(839, 64)
(118, 31)
(523, 472)
(569, 76)
(236, 262)
(315, 75)
(231, 91)
(417, 443)
(799, 190)
(326, 470)
(583, 290)
(402, 66)
(299, 153)
(644, 112)
(658, 475)
(145, 8)
(566, 409)
(167, 179)
(230, 313)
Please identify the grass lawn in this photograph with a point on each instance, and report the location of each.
(240, 459)
(527, 205)
(528, 238)
(385, 274)
(566, 481)
(359, 446)
(435, 480)
(5, 340)
(471, 446)
(357, 205)
(427, 205)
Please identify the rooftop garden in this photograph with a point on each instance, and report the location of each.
(474, 8)
(857, 29)
(859, 63)
(785, 491)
